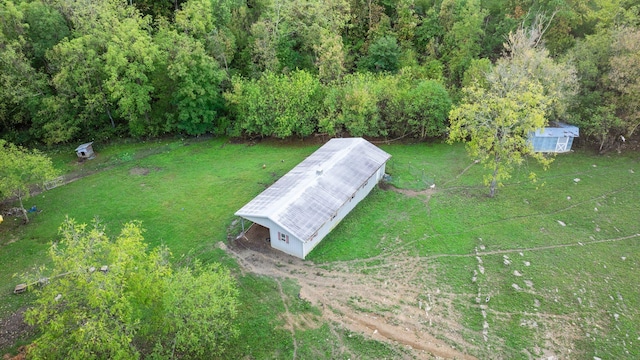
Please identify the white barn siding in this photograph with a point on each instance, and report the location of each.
(312, 198)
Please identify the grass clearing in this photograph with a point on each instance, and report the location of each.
(568, 243)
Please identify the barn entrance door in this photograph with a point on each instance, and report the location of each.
(561, 145)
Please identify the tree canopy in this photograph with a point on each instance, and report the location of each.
(20, 169)
(112, 298)
(520, 93)
(72, 70)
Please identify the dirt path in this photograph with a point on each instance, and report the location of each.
(397, 304)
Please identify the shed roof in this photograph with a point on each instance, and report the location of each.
(558, 129)
(83, 146)
(312, 192)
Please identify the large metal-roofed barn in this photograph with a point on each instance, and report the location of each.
(557, 138)
(304, 205)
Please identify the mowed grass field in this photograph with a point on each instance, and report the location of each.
(543, 268)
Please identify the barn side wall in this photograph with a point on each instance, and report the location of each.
(292, 245)
(345, 209)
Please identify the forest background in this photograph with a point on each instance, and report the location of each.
(80, 70)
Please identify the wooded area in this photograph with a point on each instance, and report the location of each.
(94, 70)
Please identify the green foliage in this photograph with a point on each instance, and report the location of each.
(382, 105)
(86, 313)
(128, 61)
(275, 105)
(20, 169)
(330, 57)
(46, 28)
(426, 109)
(81, 103)
(383, 55)
(463, 24)
(624, 76)
(351, 106)
(201, 305)
(477, 73)
(522, 91)
(606, 105)
(209, 21)
(497, 123)
(21, 86)
(190, 82)
(71, 70)
(113, 299)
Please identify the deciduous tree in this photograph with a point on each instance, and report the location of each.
(192, 85)
(113, 299)
(275, 105)
(624, 76)
(20, 169)
(497, 118)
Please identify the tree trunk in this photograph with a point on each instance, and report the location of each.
(113, 124)
(494, 180)
(632, 129)
(24, 212)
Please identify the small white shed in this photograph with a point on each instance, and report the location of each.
(85, 151)
(303, 206)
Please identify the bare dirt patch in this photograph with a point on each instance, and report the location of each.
(391, 298)
(139, 171)
(13, 328)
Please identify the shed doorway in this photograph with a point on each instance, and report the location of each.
(561, 145)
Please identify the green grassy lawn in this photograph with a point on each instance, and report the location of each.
(572, 239)
(572, 246)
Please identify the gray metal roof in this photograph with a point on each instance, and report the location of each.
(558, 129)
(83, 146)
(312, 192)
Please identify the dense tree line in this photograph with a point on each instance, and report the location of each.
(78, 69)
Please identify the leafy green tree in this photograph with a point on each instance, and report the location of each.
(496, 122)
(202, 304)
(275, 105)
(427, 107)
(101, 75)
(81, 104)
(46, 28)
(525, 50)
(190, 83)
(128, 62)
(22, 87)
(330, 57)
(477, 72)
(209, 21)
(594, 110)
(352, 106)
(407, 21)
(463, 25)
(497, 118)
(291, 35)
(20, 169)
(624, 76)
(383, 55)
(114, 299)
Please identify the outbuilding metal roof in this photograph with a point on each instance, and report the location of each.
(83, 146)
(311, 193)
(558, 129)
